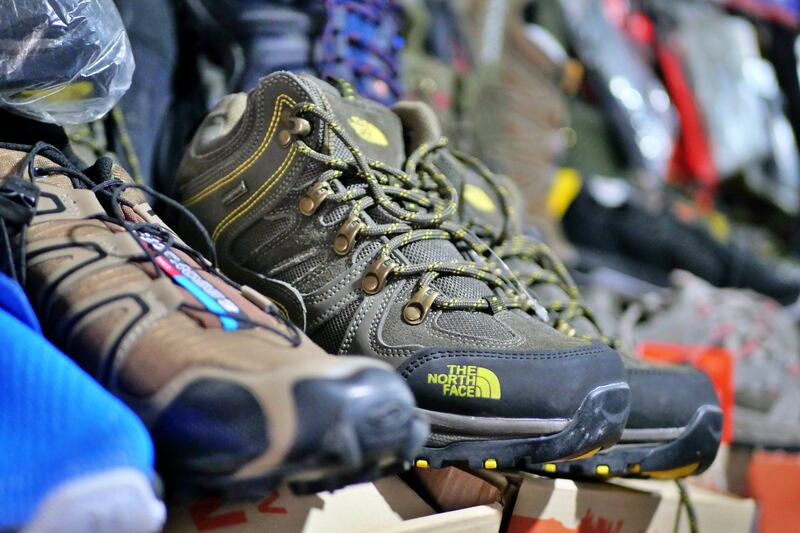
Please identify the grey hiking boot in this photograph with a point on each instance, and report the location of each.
(675, 421)
(761, 336)
(300, 185)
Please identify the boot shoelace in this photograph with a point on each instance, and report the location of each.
(112, 190)
(17, 207)
(423, 201)
(512, 245)
(373, 61)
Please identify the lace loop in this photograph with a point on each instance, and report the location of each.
(17, 206)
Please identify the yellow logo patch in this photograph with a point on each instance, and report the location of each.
(467, 381)
(478, 199)
(368, 131)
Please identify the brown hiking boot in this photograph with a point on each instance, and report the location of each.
(235, 396)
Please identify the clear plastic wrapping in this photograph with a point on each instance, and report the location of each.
(722, 60)
(66, 62)
(639, 104)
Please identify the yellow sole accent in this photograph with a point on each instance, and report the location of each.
(421, 463)
(550, 467)
(634, 469)
(590, 453)
(602, 470)
(673, 473)
(490, 464)
(281, 101)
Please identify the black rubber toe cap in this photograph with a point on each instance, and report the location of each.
(212, 427)
(667, 397)
(365, 413)
(547, 384)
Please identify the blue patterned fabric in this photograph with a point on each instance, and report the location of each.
(56, 423)
(361, 43)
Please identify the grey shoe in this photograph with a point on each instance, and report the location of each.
(757, 331)
(299, 184)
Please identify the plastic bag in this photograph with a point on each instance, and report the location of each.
(638, 103)
(66, 62)
(723, 63)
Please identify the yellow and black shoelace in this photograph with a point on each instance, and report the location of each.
(424, 203)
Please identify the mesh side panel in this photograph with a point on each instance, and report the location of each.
(427, 251)
(260, 233)
(339, 150)
(330, 335)
(366, 251)
(459, 286)
(474, 324)
(310, 174)
(336, 214)
(462, 286)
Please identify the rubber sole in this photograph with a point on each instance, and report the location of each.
(369, 428)
(116, 501)
(689, 454)
(598, 423)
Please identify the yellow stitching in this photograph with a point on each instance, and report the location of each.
(259, 193)
(247, 163)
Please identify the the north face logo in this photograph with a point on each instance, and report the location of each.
(368, 131)
(467, 381)
(478, 199)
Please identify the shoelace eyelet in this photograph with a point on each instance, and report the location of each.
(296, 127)
(375, 279)
(415, 311)
(313, 198)
(346, 236)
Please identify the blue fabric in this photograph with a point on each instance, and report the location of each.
(56, 422)
(361, 43)
(14, 301)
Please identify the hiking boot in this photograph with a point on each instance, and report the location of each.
(612, 226)
(758, 333)
(675, 422)
(300, 183)
(235, 397)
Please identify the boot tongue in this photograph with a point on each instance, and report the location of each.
(374, 128)
(478, 200)
(481, 202)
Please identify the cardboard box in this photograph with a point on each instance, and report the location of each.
(563, 506)
(451, 488)
(387, 505)
(773, 479)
